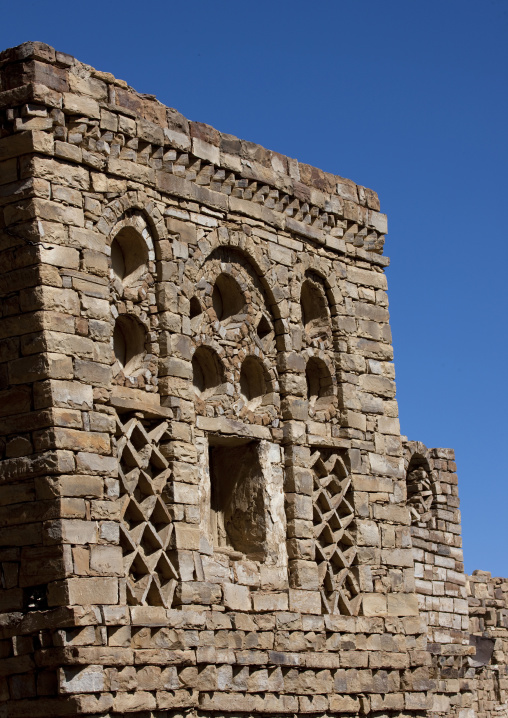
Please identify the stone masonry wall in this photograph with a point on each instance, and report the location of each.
(488, 612)
(439, 571)
(205, 506)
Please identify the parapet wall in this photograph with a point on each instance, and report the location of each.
(205, 505)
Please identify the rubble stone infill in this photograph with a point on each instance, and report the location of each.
(206, 505)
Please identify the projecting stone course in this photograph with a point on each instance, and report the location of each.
(206, 506)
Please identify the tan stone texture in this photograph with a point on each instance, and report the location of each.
(206, 505)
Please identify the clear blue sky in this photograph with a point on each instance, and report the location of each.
(406, 97)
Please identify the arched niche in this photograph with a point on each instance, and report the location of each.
(314, 306)
(320, 391)
(129, 337)
(420, 490)
(207, 371)
(129, 255)
(253, 380)
(238, 256)
(227, 297)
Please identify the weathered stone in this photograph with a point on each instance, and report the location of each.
(82, 680)
(207, 504)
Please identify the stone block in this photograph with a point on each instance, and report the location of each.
(397, 557)
(88, 463)
(374, 604)
(187, 537)
(305, 601)
(92, 441)
(368, 533)
(387, 425)
(40, 565)
(181, 698)
(206, 151)
(236, 598)
(344, 704)
(84, 591)
(379, 385)
(64, 257)
(107, 560)
(390, 702)
(273, 578)
(392, 513)
(417, 701)
(270, 601)
(15, 401)
(298, 506)
(184, 493)
(80, 105)
(367, 278)
(137, 701)
(89, 679)
(148, 615)
(198, 592)
(132, 171)
(79, 485)
(402, 604)
(303, 574)
(73, 531)
(24, 143)
(56, 299)
(386, 465)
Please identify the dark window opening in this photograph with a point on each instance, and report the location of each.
(207, 371)
(227, 297)
(237, 516)
(264, 328)
(129, 255)
(129, 339)
(315, 315)
(252, 379)
(195, 307)
(319, 383)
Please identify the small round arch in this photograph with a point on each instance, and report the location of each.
(259, 272)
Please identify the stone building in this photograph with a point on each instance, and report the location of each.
(206, 506)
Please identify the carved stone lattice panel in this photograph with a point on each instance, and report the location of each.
(146, 527)
(333, 514)
(420, 495)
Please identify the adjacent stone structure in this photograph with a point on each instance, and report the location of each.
(206, 504)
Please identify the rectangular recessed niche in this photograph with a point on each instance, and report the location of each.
(237, 510)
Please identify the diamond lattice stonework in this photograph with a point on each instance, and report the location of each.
(146, 526)
(335, 544)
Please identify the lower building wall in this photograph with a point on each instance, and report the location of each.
(214, 660)
(440, 581)
(488, 621)
(466, 617)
